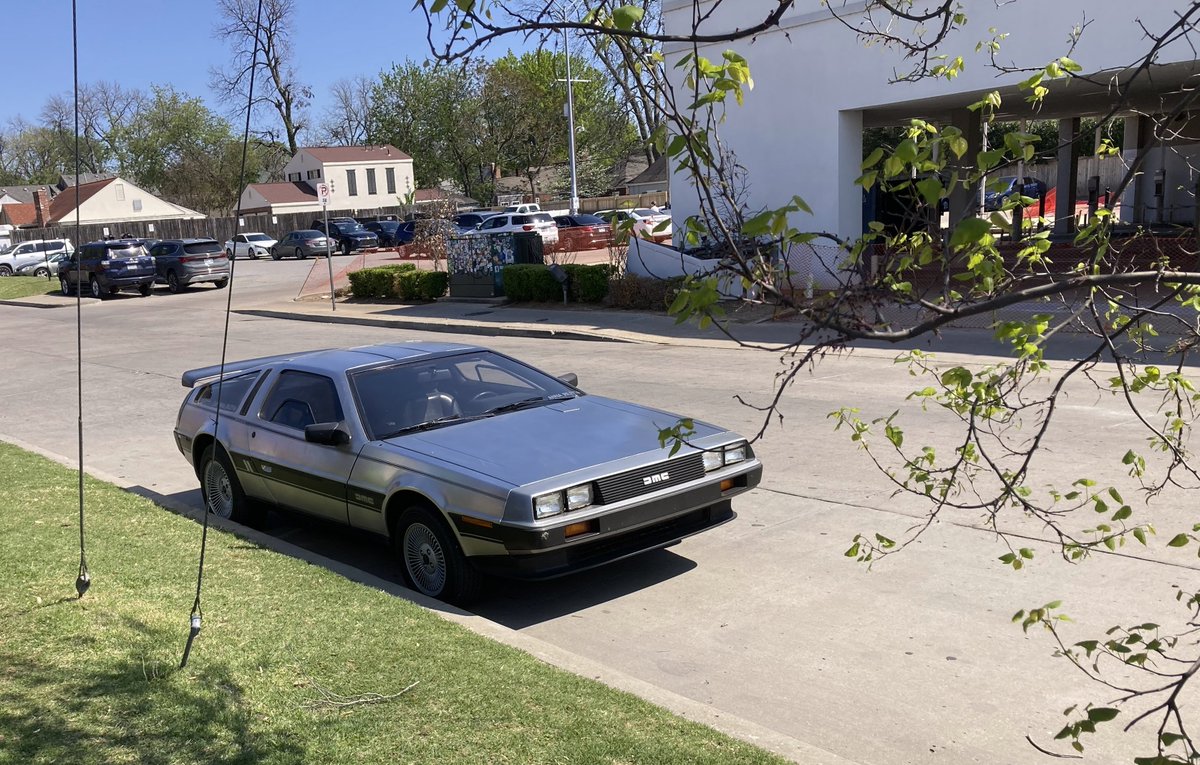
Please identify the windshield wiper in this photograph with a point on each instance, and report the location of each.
(526, 403)
(428, 425)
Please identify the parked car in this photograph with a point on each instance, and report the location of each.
(30, 252)
(1000, 189)
(180, 263)
(391, 233)
(641, 221)
(44, 268)
(472, 220)
(542, 223)
(301, 244)
(470, 462)
(583, 231)
(348, 234)
(251, 245)
(523, 209)
(106, 267)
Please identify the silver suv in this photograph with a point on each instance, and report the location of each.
(179, 263)
(35, 250)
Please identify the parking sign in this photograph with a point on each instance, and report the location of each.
(323, 193)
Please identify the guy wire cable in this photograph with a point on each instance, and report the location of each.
(84, 580)
(197, 612)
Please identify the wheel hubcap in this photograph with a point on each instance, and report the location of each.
(218, 493)
(96, 291)
(424, 559)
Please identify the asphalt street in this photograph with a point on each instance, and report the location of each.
(764, 619)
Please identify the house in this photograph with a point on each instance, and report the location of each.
(652, 179)
(357, 178)
(111, 200)
(817, 86)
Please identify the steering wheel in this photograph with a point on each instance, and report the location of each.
(483, 395)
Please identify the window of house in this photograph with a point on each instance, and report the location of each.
(120, 189)
(293, 177)
(371, 181)
(390, 176)
(352, 182)
(137, 205)
(314, 174)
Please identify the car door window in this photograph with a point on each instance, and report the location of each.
(300, 399)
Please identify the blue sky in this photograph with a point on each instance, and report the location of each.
(140, 42)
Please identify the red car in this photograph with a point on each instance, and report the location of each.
(582, 232)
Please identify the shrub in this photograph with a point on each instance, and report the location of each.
(530, 283)
(588, 284)
(640, 293)
(377, 282)
(420, 285)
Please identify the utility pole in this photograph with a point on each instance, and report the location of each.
(571, 124)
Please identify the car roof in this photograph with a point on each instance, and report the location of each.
(332, 359)
(187, 240)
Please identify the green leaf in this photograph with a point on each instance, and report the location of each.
(438, 6)
(1123, 513)
(969, 231)
(1140, 534)
(1179, 540)
(872, 158)
(1102, 714)
(931, 190)
(853, 551)
(627, 16)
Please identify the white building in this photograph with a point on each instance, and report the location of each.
(358, 178)
(111, 200)
(817, 85)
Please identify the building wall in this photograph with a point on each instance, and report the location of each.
(799, 131)
(303, 164)
(123, 201)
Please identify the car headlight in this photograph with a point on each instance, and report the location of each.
(548, 504)
(713, 460)
(735, 453)
(579, 496)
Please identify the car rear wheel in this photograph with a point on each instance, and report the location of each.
(173, 283)
(221, 283)
(97, 291)
(66, 288)
(221, 490)
(144, 289)
(300, 254)
(42, 272)
(431, 560)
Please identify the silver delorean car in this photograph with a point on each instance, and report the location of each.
(470, 462)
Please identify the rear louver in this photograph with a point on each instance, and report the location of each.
(615, 488)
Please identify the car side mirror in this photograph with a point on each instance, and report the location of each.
(326, 434)
(570, 378)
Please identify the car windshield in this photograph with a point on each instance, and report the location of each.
(588, 220)
(430, 393)
(257, 238)
(351, 228)
(121, 252)
(643, 212)
(307, 234)
(201, 248)
(388, 225)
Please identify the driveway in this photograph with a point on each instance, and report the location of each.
(763, 618)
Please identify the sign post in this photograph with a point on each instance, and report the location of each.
(323, 194)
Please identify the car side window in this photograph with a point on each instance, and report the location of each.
(302, 398)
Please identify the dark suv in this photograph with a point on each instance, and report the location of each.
(182, 262)
(348, 234)
(105, 268)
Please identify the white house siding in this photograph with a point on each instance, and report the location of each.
(118, 202)
(340, 199)
(799, 131)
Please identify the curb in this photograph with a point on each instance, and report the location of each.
(695, 711)
(443, 325)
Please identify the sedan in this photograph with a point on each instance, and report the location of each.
(252, 245)
(301, 244)
(583, 232)
(471, 463)
(44, 268)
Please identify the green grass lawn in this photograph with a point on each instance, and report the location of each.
(97, 680)
(13, 287)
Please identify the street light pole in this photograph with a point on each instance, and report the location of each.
(571, 124)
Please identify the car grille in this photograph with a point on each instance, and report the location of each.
(615, 488)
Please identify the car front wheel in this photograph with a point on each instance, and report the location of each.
(300, 254)
(6, 270)
(173, 283)
(431, 560)
(221, 490)
(62, 285)
(42, 272)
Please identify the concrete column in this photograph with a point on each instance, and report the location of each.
(964, 202)
(849, 167)
(1137, 137)
(1065, 187)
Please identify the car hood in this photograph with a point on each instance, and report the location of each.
(533, 444)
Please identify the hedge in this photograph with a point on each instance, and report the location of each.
(420, 285)
(639, 293)
(534, 283)
(377, 282)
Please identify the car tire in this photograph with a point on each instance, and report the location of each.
(66, 288)
(43, 272)
(300, 254)
(97, 291)
(221, 283)
(144, 290)
(114, 290)
(431, 560)
(229, 254)
(6, 270)
(173, 283)
(221, 491)
(346, 248)
(275, 255)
